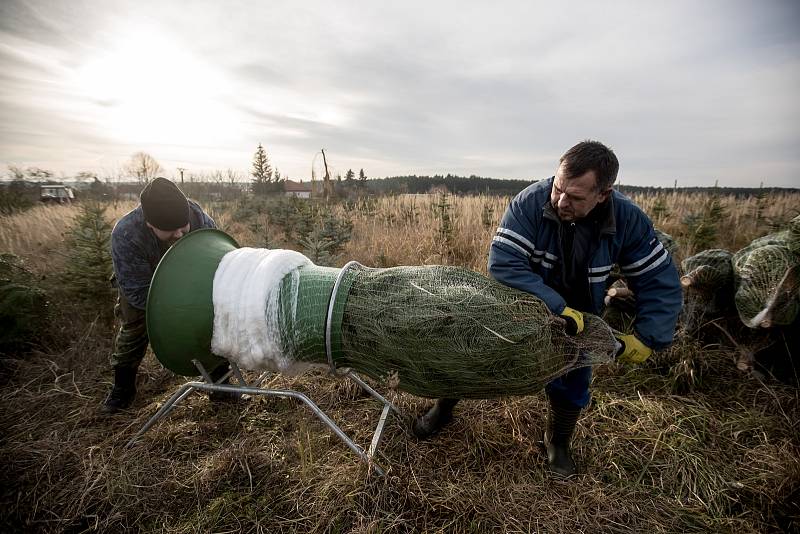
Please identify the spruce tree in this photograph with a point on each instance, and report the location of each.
(24, 307)
(89, 264)
(362, 181)
(262, 171)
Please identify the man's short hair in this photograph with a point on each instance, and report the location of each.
(591, 156)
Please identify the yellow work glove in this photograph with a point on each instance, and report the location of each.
(574, 320)
(633, 350)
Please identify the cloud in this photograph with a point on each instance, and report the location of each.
(697, 91)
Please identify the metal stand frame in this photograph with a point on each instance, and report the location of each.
(243, 387)
(255, 389)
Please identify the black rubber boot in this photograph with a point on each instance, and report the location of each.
(222, 396)
(434, 419)
(123, 392)
(561, 423)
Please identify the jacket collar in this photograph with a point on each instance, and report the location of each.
(605, 215)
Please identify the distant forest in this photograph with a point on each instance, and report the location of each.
(457, 185)
(474, 185)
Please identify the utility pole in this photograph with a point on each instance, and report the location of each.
(181, 169)
(327, 179)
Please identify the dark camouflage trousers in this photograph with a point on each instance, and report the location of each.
(130, 344)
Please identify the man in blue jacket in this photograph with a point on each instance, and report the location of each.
(138, 241)
(559, 240)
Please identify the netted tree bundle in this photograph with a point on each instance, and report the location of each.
(708, 270)
(768, 291)
(438, 331)
(767, 286)
(667, 240)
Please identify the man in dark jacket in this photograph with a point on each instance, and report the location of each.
(559, 240)
(138, 242)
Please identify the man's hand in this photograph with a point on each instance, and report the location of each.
(633, 350)
(574, 320)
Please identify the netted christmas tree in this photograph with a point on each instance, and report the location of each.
(768, 278)
(446, 331)
(708, 283)
(434, 331)
(709, 270)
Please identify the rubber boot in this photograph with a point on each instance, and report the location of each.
(561, 422)
(222, 396)
(434, 419)
(123, 392)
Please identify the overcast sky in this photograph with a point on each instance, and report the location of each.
(694, 91)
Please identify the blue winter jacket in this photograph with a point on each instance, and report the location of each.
(526, 254)
(136, 251)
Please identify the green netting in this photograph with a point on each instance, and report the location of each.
(434, 331)
(667, 240)
(767, 278)
(708, 270)
(766, 288)
(303, 302)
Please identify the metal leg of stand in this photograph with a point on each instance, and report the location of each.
(322, 416)
(388, 408)
(366, 387)
(179, 395)
(376, 437)
(175, 400)
(203, 371)
(260, 379)
(238, 374)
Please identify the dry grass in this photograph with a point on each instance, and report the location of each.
(724, 457)
(741, 224)
(38, 234)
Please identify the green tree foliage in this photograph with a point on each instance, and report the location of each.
(99, 190)
(660, 209)
(89, 264)
(14, 197)
(23, 305)
(702, 231)
(487, 216)
(362, 181)
(262, 172)
(761, 207)
(318, 249)
(349, 176)
(309, 226)
(326, 238)
(445, 233)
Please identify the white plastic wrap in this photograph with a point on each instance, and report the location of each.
(246, 291)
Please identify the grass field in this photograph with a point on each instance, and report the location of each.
(682, 443)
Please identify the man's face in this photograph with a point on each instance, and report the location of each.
(170, 236)
(574, 198)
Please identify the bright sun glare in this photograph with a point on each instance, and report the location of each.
(152, 90)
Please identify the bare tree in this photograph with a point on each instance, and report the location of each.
(40, 175)
(85, 176)
(144, 167)
(233, 176)
(16, 173)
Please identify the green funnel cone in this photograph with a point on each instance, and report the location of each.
(180, 306)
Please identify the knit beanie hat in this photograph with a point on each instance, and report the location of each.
(164, 205)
